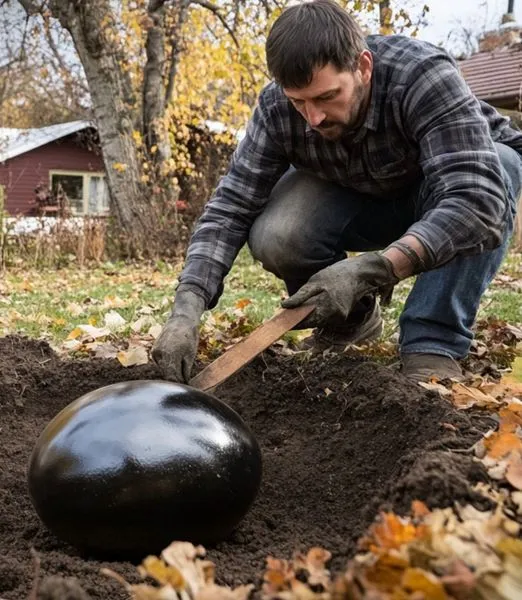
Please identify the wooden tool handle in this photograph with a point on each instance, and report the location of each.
(246, 350)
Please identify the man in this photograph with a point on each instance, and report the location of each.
(374, 145)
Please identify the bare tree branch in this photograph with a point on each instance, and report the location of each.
(59, 59)
(215, 9)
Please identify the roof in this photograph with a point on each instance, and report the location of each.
(14, 142)
(495, 75)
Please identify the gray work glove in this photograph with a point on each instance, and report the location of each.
(175, 349)
(336, 289)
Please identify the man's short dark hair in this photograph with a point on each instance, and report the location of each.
(308, 36)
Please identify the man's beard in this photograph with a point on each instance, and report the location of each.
(334, 130)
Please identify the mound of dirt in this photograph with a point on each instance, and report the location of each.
(339, 439)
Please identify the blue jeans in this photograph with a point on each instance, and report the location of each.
(309, 224)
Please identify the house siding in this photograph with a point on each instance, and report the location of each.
(22, 174)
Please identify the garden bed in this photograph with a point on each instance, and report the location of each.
(340, 440)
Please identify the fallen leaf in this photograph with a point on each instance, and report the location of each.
(92, 332)
(392, 531)
(114, 321)
(74, 334)
(514, 470)
(164, 574)
(242, 303)
(464, 396)
(142, 323)
(137, 355)
(500, 444)
(435, 387)
(418, 580)
(113, 302)
(106, 350)
(459, 580)
(155, 331)
(72, 344)
(74, 309)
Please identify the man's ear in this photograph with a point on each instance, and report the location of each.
(365, 66)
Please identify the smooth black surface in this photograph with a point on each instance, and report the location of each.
(130, 467)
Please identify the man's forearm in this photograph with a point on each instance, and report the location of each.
(403, 266)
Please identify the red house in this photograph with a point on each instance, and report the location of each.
(39, 168)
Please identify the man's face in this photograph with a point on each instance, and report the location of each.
(335, 102)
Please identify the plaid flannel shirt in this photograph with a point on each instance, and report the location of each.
(422, 122)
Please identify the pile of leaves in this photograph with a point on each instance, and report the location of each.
(450, 554)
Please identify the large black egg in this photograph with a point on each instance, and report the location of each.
(130, 467)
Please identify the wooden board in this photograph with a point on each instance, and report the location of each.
(243, 352)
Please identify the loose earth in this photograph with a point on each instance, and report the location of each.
(340, 439)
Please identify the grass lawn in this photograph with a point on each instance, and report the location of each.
(49, 304)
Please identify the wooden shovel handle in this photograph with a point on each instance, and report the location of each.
(246, 350)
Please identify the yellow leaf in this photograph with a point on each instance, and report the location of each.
(75, 333)
(120, 167)
(418, 580)
(166, 575)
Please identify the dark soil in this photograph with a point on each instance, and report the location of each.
(340, 439)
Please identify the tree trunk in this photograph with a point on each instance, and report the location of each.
(91, 25)
(153, 85)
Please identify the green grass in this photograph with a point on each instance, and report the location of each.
(44, 303)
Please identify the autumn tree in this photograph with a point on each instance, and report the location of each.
(154, 69)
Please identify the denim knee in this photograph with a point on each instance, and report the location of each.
(282, 252)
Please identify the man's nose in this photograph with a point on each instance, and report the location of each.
(314, 115)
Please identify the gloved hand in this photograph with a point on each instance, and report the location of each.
(336, 289)
(175, 349)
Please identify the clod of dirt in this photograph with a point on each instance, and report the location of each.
(337, 437)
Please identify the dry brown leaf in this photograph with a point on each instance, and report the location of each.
(514, 469)
(460, 580)
(464, 396)
(280, 578)
(183, 575)
(137, 355)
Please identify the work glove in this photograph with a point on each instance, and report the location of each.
(336, 289)
(175, 349)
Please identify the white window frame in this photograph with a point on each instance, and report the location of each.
(85, 189)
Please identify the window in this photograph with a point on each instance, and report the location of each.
(87, 193)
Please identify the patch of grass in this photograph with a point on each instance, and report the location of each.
(49, 304)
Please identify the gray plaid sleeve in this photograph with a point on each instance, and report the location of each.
(256, 165)
(465, 204)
